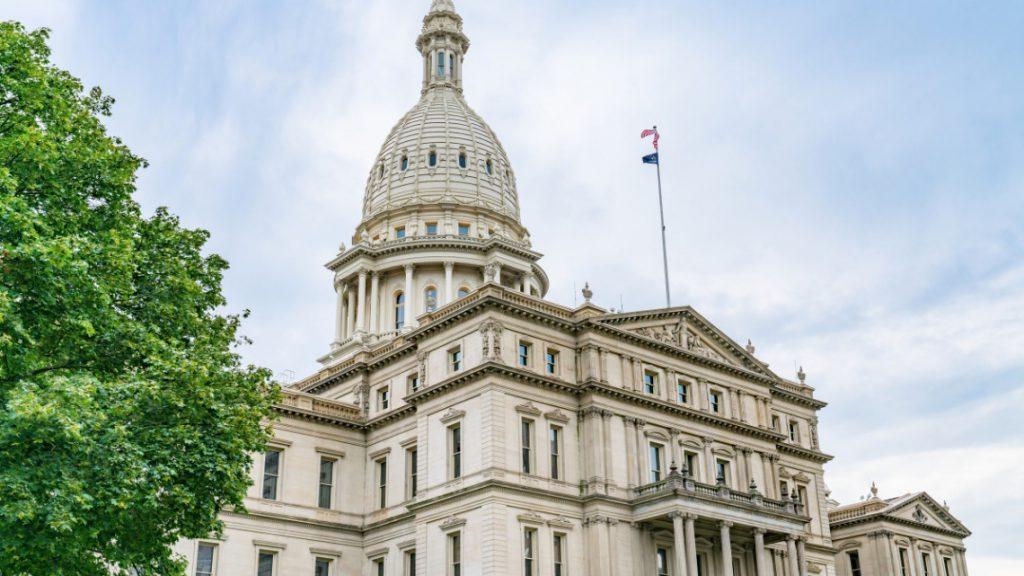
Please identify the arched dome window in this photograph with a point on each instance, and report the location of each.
(432, 158)
(440, 64)
(463, 292)
(404, 163)
(489, 166)
(399, 310)
(430, 299)
(462, 159)
(380, 172)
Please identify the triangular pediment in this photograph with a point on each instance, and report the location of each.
(923, 509)
(687, 330)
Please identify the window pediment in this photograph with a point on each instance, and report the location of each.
(452, 415)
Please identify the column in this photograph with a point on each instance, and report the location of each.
(674, 449)
(350, 310)
(801, 556)
(361, 310)
(915, 558)
(894, 553)
(742, 471)
(723, 528)
(497, 273)
(740, 405)
(374, 303)
(882, 553)
(678, 542)
(691, 544)
(606, 445)
(528, 283)
(771, 488)
(709, 462)
(339, 319)
(961, 559)
(794, 568)
(631, 467)
(409, 295)
(602, 365)
(641, 454)
(759, 560)
(449, 267)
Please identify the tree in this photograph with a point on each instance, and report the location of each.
(127, 418)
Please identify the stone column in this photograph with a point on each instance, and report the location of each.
(641, 454)
(497, 273)
(894, 553)
(631, 468)
(915, 558)
(375, 303)
(742, 471)
(759, 560)
(408, 295)
(339, 320)
(709, 461)
(449, 267)
(801, 556)
(691, 544)
(602, 367)
(361, 309)
(794, 568)
(606, 446)
(961, 558)
(740, 396)
(881, 553)
(723, 528)
(528, 283)
(350, 310)
(772, 487)
(678, 542)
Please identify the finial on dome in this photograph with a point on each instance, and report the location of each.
(442, 6)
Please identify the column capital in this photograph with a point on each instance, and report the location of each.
(449, 264)
(690, 516)
(677, 514)
(758, 530)
(708, 440)
(363, 272)
(724, 524)
(409, 267)
(792, 537)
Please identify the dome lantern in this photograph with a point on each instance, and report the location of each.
(443, 46)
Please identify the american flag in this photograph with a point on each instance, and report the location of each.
(651, 132)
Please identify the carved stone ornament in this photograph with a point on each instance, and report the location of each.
(490, 271)
(919, 515)
(528, 408)
(587, 292)
(452, 415)
(453, 522)
(557, 415)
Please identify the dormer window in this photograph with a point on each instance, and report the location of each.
(440, 64)
(462, 159)
(432, 159)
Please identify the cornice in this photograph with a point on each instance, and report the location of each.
(805, 453)
(885, 517)
(424, 243)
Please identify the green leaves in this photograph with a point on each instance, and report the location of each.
(126, 415)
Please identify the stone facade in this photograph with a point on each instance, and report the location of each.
(463, 425)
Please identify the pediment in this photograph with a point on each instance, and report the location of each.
(922, 509)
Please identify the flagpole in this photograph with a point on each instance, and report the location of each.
(661, 212)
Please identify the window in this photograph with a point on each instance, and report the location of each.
(411, 466)
(454, 554)
(404, 163)
(326, 482)
(794, 431)
(926, 564)
(463, 229)
(431, 228)
(701, 562)
(265, 563)
(463, 292)
(656, 468)
(430, 299)
(722, 471)
(378, 567)
(558, 554)
(462, 159)
(903, 562)
(271, 472)
(801, 494)
(690, 458)
(551, 361)
(662, 557)
(650, 383)
(854, 557)
(432, 159)
(440, 63)
(380, 172)
(715, 401)
(555, 441)
(413, 382)
(322, 567)
(524, 354)
(399, 310)
(400, 232)
(384, 398)
(947, 566)
(382, 483)
(489, 166)
(455, 359)
(410, 563)
(529, 551)
(451, 64)
(204, 559)
(455, 451)
(776, 424)
(682, 393)
(526, 444)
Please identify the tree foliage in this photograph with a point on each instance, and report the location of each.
(126, 415)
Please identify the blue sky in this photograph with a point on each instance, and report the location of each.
(844, 185)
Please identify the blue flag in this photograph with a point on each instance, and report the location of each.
(651, 158)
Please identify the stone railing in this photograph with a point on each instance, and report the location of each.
(855, 512)
(794, 387)
(318, 405)
(676, 481)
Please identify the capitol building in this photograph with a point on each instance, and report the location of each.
(463, 425)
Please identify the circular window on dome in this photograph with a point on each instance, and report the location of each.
(432, 159)
(462, 159)
(404, 163)
(490, 166)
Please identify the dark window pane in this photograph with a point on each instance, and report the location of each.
(266, 564)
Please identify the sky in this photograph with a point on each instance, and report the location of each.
(844, 185)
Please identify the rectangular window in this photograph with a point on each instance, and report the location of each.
(555, 441)
(529, 551)
(455, 359)
(722, 471)
(715, 401)
(205, 555)
(682, 393)
(455, 452)
(701, 562)
(947, 566)
(691, 463)
(794, 431)
(650, 383)
(524, 354)
(854, 563)
(410, 563)
(454, 554)
(526, 445)
(265, 563)
(413, 382)
(776, 423)
(326, 482)
(382, 483)
(903, 562)
(378, 567)
(271, 472)
(323, 567)
(431, 228)
(655, 457)
(383, 398)
(400, 232)
(662, 558)
(801, 494)
(551, 362)
(410, 471)
(926, 563)
(558, 554)
(463, 229)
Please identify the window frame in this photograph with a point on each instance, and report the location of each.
(682, 392)
(409, 561)
(380, 471)
(318, 558)
(454, 434)
(330, 484)
(650, 380)
(558, 549)
(412, 382)
(551, 361)
(454, 559)
(853, 560)
(662, 561)
(384, 398)
(527, 464)
(276, 476)
(723, 469)
(430, 228)
(455, 359)
(715, 401)
(555, 448)
(529, 551)
(428, 291)
(399, 232)
(399, 306)
(463, 229)
(273, 554)
(214, 554)
(411, 472)
(655, 455)
(524, 353)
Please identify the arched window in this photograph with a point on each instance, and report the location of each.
(451, 64)
(404, 163)
(430, 299)
(440, 64)
(490, 166)
(462, 159)
(463, 292)
(399, 310)
(432, 158)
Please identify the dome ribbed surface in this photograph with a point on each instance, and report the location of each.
(441, 123)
